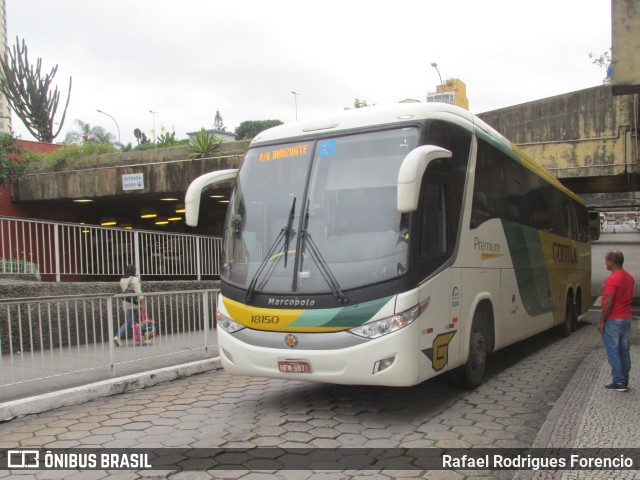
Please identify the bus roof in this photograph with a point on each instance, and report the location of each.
(357, 118)
(380, 115)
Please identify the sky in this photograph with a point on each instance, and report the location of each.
(188, 59)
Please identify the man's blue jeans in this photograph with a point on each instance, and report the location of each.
(616, 336)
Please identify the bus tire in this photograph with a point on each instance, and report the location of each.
(471, 374)
(565, 328)
(577, 306)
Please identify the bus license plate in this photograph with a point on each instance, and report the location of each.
(294, 366)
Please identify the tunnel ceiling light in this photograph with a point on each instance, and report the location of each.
(148, 214)
(83, 200)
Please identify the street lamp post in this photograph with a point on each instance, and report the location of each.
(154, 124)
(295, 97)
(114, 121)
(435, 65)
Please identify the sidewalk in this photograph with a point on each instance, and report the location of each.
(588, 416)
(137, 367)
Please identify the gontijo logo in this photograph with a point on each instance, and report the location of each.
(563, 253)
(290, 340)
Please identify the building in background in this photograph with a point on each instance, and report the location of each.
(625, 22)
(226, 136)
(5, 114)
(453, 91)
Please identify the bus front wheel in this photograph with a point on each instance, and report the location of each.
(471, 374)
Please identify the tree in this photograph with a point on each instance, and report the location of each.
(28, 93)
(218, 123)
(141, 137)
(9, 151)
(87, 133)
(250, 128)
(602, 60)
(360, 104)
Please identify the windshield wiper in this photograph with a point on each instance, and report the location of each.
(305, 239)
(286, 233)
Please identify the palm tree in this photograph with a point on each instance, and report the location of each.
(87, 133)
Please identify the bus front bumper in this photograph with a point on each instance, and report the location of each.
(391, 360)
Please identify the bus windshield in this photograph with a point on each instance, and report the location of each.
(343, 231)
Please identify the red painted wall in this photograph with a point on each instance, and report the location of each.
(38, 146)
(37, 210)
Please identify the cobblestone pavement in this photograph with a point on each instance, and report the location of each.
(215, 409)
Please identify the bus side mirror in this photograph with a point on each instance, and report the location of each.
(411, 172)
(194, 192)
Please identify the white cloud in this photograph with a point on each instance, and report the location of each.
(188, 59)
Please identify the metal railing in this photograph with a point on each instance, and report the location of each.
(65, 250)
(57, 336)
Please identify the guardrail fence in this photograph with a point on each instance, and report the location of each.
(55, 336)
(66, 250)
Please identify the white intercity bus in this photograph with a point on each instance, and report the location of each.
(389, 244)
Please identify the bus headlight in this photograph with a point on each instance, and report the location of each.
(227, 324)
(387, 325)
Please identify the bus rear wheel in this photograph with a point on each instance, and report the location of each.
(471, 374)
(577, 307)
(570, 319)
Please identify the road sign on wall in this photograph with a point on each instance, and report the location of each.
(133, 181)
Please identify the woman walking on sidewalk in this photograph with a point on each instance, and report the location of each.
(615, 320)
(129, 283)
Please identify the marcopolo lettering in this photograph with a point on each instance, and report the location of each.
(290, 302)
(564, 253)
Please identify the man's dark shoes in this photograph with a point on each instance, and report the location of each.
(618, 387)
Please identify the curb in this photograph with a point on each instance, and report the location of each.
(568, 408)
(105, 388)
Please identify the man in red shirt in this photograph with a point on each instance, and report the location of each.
(615, 320)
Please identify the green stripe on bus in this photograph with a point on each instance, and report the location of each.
(530, 267)
(351, 316)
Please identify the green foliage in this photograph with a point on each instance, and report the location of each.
(250, 128)
(218, 123)
(65, 156)
(141, 137)
(9, 164)
(166, 140)
(203, 145)
(28, 93)
(360, 104)
(602, 60)
(144, 146)
(87, 133)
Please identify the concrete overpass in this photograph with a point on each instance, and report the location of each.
(588, 139)
(94, 190)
